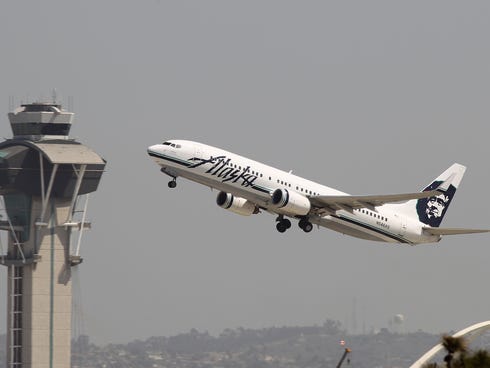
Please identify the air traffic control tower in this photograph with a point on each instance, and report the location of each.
(45, 178)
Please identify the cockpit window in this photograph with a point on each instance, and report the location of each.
(172, 144)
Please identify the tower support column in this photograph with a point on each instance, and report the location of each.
(40, 294)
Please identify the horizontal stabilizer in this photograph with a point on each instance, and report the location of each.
(452, 231)
(366, 201)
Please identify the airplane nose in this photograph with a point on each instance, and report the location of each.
(153, 148)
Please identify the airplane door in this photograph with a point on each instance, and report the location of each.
(402, 229)
(198, 151)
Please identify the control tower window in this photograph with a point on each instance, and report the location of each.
(41, 129)
(40, 107)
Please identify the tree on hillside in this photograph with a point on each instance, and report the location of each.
(459, 356)
(454, 345)
(479, 359)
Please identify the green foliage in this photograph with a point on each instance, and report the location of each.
(459, 356)
(478, 359)
(454, 344)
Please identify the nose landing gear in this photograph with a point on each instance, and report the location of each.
(172, 183)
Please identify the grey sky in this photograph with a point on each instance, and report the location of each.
(366, 97)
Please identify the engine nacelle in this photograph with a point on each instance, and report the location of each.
(237, 205)
(291, 202)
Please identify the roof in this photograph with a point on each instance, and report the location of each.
(78, 154)
(59, 152)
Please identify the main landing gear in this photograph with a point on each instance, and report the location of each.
(305, 225)
(172, 183)
(283, 224)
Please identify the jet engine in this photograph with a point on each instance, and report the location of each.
(291, 202)
(237, 205)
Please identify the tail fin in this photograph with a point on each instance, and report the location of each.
(431, 210)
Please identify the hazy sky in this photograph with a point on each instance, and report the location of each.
(366, 97)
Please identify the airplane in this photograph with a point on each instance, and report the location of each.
(248, 187)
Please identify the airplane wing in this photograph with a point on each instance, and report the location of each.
(349, 203)
(452, 231)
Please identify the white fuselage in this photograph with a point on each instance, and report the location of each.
(255, 182)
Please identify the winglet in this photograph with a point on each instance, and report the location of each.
(443, 187)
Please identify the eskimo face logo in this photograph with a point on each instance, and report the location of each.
(436, 205)
(431, 210)
(222, 167)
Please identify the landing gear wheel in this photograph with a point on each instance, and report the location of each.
(281, 227)
(172, 183)
(282, 224)
(305, 225)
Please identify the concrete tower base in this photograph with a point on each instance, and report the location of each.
(39, 293)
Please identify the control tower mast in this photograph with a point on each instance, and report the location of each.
(43, 176)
